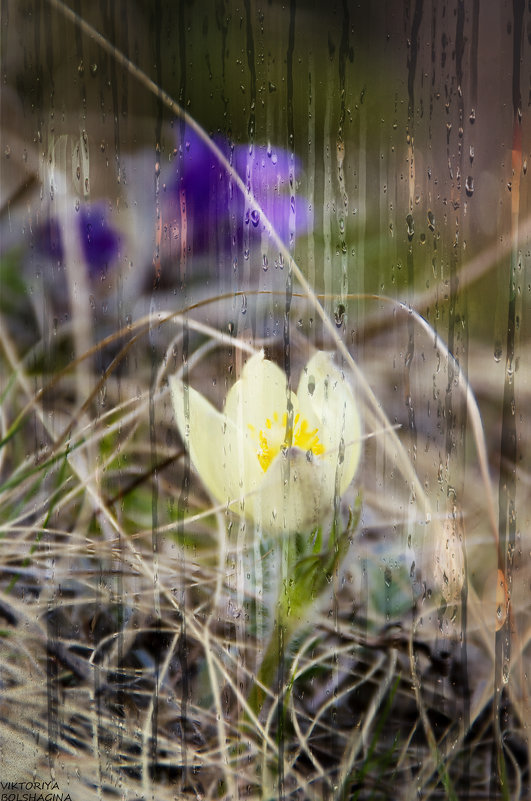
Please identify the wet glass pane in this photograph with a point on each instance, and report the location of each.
(265, 388)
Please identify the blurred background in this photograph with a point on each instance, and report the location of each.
(396, 125)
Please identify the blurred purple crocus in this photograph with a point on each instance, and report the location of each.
(216, 206)
(99, 240)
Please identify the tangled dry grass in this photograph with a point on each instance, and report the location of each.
(129, 637)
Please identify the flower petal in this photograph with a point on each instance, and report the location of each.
(324, 390)
(290, 495)
(217, 449)
(100, 242)
(258, 394)
(208, 190)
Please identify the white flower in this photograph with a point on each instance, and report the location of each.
(279, 458)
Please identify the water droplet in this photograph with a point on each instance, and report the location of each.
(388, 577)
(497, 352)
(505, 673)
(81, 67)
(246, 254)
(469, 186)
(93, 69)
(410, 227)
(244, 304)
(471, 153)
(431, 220)
(272, 87)
(255, 217)
(77, 204)
(339, 314)
(472, 117)
(265, 262)
(311, 385)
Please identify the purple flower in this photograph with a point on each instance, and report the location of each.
(99, 241)
(215, 205)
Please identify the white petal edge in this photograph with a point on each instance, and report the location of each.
(260, 391)
(213, 442)
(324, 390)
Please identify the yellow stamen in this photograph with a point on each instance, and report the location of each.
(277, 435)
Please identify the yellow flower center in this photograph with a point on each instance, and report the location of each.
(277, 435)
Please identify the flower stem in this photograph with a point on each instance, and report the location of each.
(287, 619)
(307, 569)
(284, 628)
